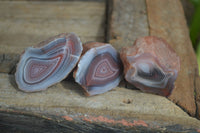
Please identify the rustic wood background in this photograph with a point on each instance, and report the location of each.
(63, 107)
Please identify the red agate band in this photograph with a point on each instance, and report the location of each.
(103, 69)
(151, 65)
(99, 69)
(42, 67)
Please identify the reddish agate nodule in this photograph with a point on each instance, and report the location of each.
(151, 65)
(49, 63)
(99, 69)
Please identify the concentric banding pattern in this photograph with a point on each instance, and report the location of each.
(103, 69)
(36, 70)
(42, 67)
(147, 72)
(151, 65)
(99, 70)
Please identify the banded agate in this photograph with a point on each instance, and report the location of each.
(99, 69)
(48, 63)
(151, 65)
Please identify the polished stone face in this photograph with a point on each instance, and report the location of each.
(151, 65)
(99, 69)
(102, 70)
(41, 67)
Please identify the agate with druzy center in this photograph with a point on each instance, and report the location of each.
(99, 69)
(48, 64)
(151, 65)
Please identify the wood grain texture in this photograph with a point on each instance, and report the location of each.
(23, 122)
(65, 102)
(127, 21)
(166, 20)
(63, 107)
(197, 94)
(68, 94)
(26, 23)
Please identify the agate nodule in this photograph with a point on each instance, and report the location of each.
(49, 63)
(151, 65)
(99, 69)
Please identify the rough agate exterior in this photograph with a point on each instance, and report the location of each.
(49, 63)
(99, 69)
(151, 65)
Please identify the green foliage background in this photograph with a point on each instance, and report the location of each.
(195, 30)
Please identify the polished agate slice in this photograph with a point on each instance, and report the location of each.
(49, 63)
(151, 65)
(99, 69)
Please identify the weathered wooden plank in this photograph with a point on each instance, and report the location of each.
(24, 24)
(69, 94)
(197, 94)
(121, 107)
(65, 107)
(22, 122)
(166, 20)
(126, 24)
(127, 21)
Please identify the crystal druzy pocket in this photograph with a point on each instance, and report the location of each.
(151, 65)
(99, 69)
(49, 63)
